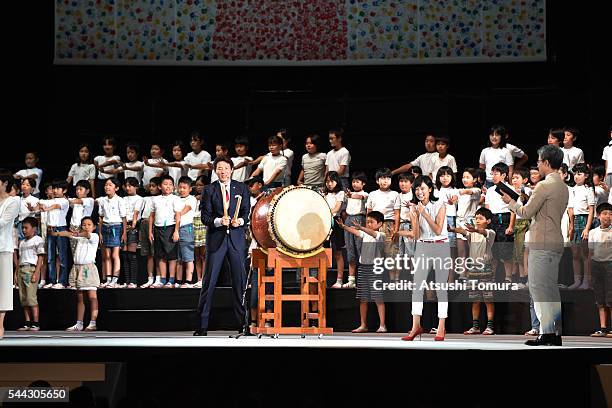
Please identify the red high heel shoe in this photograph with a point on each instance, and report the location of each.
(418, 332)
(439, 338)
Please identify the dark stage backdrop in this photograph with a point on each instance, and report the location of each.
(386, 110)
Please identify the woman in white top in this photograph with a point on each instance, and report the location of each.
(9, 210)
(432, 250)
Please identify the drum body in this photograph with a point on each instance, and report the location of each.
(295, 220)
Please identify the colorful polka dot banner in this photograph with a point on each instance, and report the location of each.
(272, 32)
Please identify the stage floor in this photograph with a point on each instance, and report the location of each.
(391, 341)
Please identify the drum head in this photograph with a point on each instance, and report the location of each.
(301, 219)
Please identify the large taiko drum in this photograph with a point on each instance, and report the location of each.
(295, 220)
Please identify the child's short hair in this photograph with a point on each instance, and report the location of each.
(7, 177)
(523, 172)
(223, 146)
(417, 183)
(31, 181)
(500, 130)
(132, 181)
(333, 176)
(80, 146)
(115, 181)
(485, 212)
(574, 131)
(377, 216)
(242, 140)
(33, 222)
(195, 135)
(109, 140)
(416, 170)
(359, 175)
(445, 170)
(581, 168)
(338, 132)
(63, 184)
(185, 180)
(599, 171)
(34, 153)
(133, 146)
(557, 134)
(253, 180)
(407, 176)
(284, 134)
(315, 140)
(603, 207)
(165, 177)
(501, 168)
(87, 219)
(443, 139)
(155, 180)
(47, 185)
(383, 173)
(201, 179)
(475, 173)
(180, 145)
(83, 184)
(277, 140)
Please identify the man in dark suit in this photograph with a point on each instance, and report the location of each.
(225, 237)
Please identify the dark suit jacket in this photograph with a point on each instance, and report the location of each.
(211, 207)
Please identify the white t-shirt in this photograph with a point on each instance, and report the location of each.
(147, 207)
(194, 159)
(445, 194)
(490, 157)
(137, 174)
(86, 249)
(271, 163)
(103, 159)
(176, 173)
(481, 247)
(373, 247)
(426, 233)
(165, 208)
(80, 172)
(468, 204)
(515, 151)
(384, 201)
(81, 210)
(355, 206)
(610, 196)
(192, 202)
(495, 202)
(426, 162)
(29, 249)
(572, 156)
(113, 210)
(149, 172)
(334, 198)
(583, 198)
(337, 158)
(448, 161)
(607, 156)
(600, 241)
(133, 203)
(601, 196)
(527, 191)
(25, 173)
(56, 217)
(314, 168)
(288, 153)
(242, 173)
(23, 207)
(405, 200)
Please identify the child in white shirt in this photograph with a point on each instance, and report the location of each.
(83, 169)
(572, 155)
(113, 214)
(338, 158)
(355, 215)
(583, 204)
(186, 232)
(133, 206)
(496, 153)
(334, 195)
(106, 164)
(31, 171)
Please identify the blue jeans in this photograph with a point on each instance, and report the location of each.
(57, 244)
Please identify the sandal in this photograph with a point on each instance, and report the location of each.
(360, 329)
(473, 330)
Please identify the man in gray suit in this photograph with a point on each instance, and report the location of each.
(545, 207)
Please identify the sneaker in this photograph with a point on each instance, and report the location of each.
(473, 330)
(91, 327)
(34, 328)
(488, 332)
(58, 286)
(121, 285)
(521, 286)
(48, 286)
(132, 286)
(41, 284)
(337, 285)
(349, 285)
(104, 284)
(75, 328)
(198, 285)
(186, 286)
(532, 332)
(25, 327)
(599, 333)
(147, 284)
(110, 285)
(157, 285)
(177, 285)
(168, 286)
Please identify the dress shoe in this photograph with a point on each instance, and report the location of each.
(200, 332)
(546, 340)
